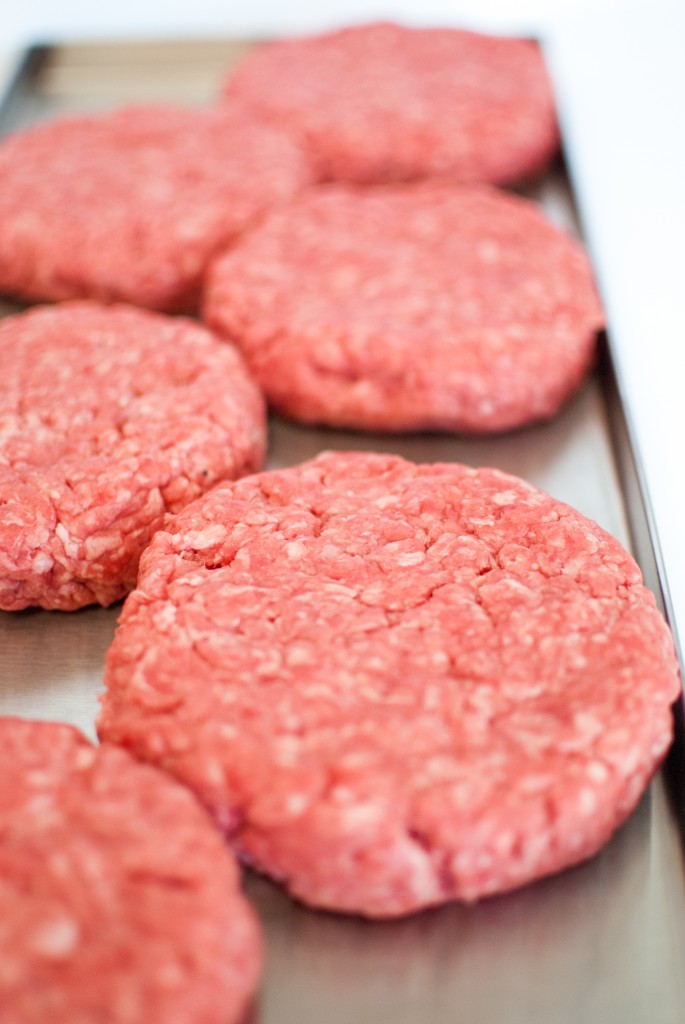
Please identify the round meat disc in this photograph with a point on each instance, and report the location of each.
(381, 102)
(119, 901)
(392, 684)
(131, 205)
(409, 307)
(109, 418)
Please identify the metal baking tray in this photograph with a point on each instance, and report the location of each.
(599, 943)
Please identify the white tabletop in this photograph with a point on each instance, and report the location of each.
(46, 20)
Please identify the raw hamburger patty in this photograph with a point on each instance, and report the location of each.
(109, 417)
(131, 205)
(394, 685)
(382, 103)
(119, 902)
(426, 306)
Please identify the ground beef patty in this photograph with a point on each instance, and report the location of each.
(394, 685)
(130, 205)
(380, 102)
(410, 307)
(109, 417)
(119, 902)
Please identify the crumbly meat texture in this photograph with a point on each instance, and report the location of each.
(109, 418)
(381, 102)
(119, 901)
(392, 684)
(410, 307)
(131, 205)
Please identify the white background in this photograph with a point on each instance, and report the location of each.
(46, 19)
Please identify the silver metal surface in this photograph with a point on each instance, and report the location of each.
(602, 943)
